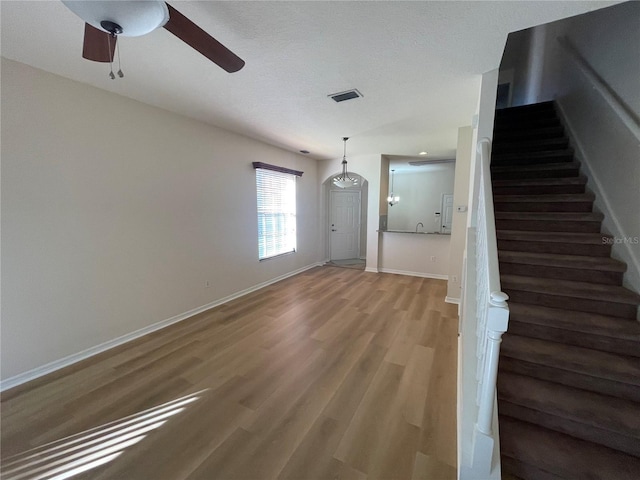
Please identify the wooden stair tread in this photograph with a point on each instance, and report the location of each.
(553, 237)
(525, 122)
(508, 135)
(559, 216)
(566, 261)
(502, 134)
(563, 455)
(590, 408)
(584, 322)
(535, 168)
(529, 145)
(544, 198)
(570, 288)
(512, 469)
(528, 109)
(529, 182)
(545, 154)
(584, 361)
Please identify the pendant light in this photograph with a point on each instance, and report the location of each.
(392, 199)
(344, 180)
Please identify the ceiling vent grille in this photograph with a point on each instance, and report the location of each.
(431, 162)
(347, 95)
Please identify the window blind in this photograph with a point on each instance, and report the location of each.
(276, 212)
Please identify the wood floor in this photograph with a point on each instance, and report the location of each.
(332, 374)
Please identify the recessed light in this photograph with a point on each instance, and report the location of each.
(422, 153)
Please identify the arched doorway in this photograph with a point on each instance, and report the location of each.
(345, 220)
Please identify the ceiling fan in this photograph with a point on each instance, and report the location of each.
(105, 20)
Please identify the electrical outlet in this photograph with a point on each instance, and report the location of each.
(454, 278)
(433, 258)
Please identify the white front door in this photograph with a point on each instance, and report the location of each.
(447, 212)
(345, 225)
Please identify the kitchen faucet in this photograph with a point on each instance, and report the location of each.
(419, 223)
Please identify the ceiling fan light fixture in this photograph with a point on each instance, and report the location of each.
(135, 18)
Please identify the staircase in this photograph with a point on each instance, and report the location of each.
(569, 374)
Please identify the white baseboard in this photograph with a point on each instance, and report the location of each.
(455, 301)
(89, 352)
(371, 270)
(415, 274)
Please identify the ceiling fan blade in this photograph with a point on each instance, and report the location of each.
(97, 45)
(194, 36)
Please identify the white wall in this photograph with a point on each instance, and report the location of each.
(420, 195)
(460, 198)
(516, 60)
(115, 214)
(609, 39)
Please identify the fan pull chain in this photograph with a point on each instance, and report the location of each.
(120, 73)
(111, 75)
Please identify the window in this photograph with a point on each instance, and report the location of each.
(276, 189)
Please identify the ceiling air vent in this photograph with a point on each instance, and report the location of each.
(432, 161)
(348, 95)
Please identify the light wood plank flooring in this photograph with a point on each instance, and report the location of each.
(332, 374)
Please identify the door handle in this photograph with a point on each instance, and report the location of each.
(333, 230)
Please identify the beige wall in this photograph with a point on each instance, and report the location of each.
(115, 214)
(420, 255)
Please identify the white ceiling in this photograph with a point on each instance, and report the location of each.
(418, 65)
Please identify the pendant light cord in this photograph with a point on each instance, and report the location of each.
(120, 73)
(111, 75)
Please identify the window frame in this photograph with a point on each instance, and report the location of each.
(280, 223)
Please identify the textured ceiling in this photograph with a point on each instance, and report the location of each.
(418, 65)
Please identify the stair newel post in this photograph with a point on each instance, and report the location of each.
(491, 320)
(497, 323)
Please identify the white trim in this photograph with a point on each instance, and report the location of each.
(459, 403)
(89, 352)
(415, 274)
(454, 300)
(610, 221)
(371, 270)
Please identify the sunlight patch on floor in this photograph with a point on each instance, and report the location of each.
(90, 449)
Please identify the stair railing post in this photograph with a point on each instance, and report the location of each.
(497, 322)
